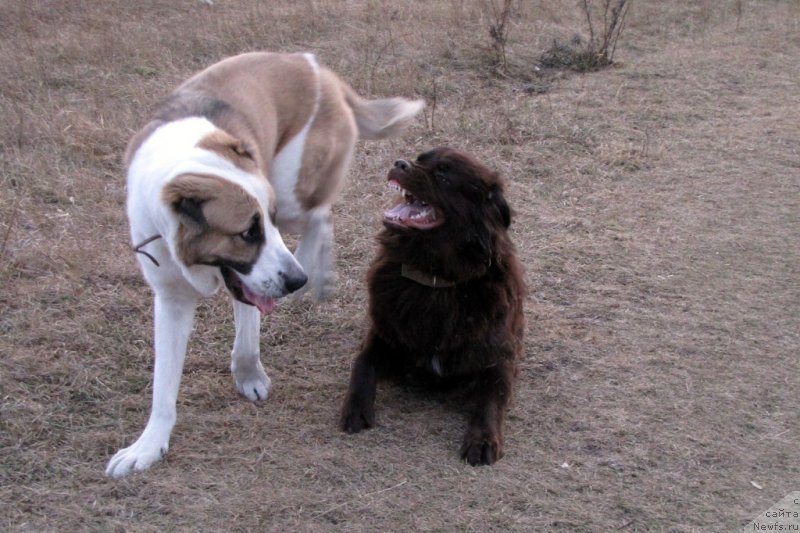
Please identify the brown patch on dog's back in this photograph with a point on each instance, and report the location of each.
(213, 214)
(262, 109)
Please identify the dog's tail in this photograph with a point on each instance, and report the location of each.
(383, 118)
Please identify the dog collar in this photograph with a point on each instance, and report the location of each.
(423, 278)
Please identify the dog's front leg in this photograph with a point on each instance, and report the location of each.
(483, 441)
(173, 324)
(246, 367)
(358, 411)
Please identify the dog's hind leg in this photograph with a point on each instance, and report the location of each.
(246, 367)
(174, 314)
(315, 253)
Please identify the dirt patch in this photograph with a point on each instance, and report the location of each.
(657, 217)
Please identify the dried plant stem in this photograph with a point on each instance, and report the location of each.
(499, 27)
(12, 219)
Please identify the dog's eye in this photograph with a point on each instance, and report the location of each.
(253, 233)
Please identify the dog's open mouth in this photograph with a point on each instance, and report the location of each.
(239, 290)
(411, 212)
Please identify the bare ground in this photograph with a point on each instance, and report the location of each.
(658, 214)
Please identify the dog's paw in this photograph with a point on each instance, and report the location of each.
(482, 447)
(252, 382)
(356, 417)
(137, 457)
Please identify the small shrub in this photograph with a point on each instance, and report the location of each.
(572, 55)
(605, 20)
(499, 26)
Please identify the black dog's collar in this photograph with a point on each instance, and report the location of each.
(423, 278)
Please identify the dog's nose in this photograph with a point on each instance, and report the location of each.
(292, 282)
(401, 164)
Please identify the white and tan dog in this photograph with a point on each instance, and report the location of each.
(252, 145)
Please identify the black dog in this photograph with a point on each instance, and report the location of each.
(446, 294)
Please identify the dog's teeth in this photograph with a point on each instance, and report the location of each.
(396, 187)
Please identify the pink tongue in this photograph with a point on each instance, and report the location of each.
(265, 304)
(403, 211)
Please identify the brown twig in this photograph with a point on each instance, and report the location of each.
(12, 220)
(362, 497)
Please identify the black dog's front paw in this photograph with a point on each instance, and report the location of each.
(356, 415)
(482, 447)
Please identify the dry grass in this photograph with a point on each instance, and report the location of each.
(657, 216)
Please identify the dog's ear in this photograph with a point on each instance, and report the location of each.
(191, 210)
(476, 247)
(498, 201)
(186, 194)
(233, 149)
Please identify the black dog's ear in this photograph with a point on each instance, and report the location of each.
(499, 202)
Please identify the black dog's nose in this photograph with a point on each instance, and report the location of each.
(401, 164)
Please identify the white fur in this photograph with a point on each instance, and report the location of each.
(169, 152)
(284, 173)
